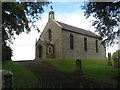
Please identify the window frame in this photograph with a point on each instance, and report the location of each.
(50, 34)
(96, 45)
(85, 44)
(71, 41)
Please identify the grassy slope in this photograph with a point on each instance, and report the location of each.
(21, 74)
(95, 69)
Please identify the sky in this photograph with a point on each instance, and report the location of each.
(67, 12)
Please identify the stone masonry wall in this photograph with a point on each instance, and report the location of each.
(78, 51)
(56, 37)
(43, 54)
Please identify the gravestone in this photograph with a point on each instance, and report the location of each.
(116, 62)
(109, 60)
(78, 66)
(7, 77)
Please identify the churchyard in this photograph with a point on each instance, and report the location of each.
(97, 70)
(92, 70)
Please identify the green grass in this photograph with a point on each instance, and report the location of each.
(94, 69)
(21, 74)
(67, 65)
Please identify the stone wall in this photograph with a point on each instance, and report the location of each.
(61, 42)
(50, 51)
(43, 44)
(56, 37)
(78, 51)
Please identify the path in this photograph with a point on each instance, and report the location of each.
(50, 75)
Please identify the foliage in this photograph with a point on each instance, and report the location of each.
(16, 18)
(116, 54)
(107, 19)
(91, 68)
(6, 53)
(6, 50)
(21, 74)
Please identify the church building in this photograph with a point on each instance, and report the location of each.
(60, 40)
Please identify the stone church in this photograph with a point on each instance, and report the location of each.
(60, 40)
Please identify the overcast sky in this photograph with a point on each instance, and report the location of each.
(66, 12)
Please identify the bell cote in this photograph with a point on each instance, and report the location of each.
(51, 14)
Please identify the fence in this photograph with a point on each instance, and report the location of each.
(38, 85)
(27, 85)
(9, 84)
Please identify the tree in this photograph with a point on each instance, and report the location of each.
(16, 17)
(107, 19)
(6, 52)
(116, 54)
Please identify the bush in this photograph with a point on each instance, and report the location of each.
(6, 53)
(116, 54)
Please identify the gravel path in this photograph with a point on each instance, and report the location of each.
(51, 76)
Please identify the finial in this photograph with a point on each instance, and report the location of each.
(36, 40)
(51, 7)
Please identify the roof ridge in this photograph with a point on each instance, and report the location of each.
(74, 26)
(76, 29)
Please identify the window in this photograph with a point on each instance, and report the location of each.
(49, 50)
(85, 44)
(96, 44)
(40, 51)
(71, 41)
(50, 35)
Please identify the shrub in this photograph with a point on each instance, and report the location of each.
(116, 54)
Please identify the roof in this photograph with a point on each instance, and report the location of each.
(49, 43)
(76, 29)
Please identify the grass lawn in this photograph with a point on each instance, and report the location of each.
(21, 74)
(94, 69)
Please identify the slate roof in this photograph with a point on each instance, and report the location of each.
(49, 43)
(76, 29)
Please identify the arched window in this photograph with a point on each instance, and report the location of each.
(40, 51)
(71, 41)
(96, 44)
(85, 44)
(50, 35)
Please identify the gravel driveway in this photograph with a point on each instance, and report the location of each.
(51, 76)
